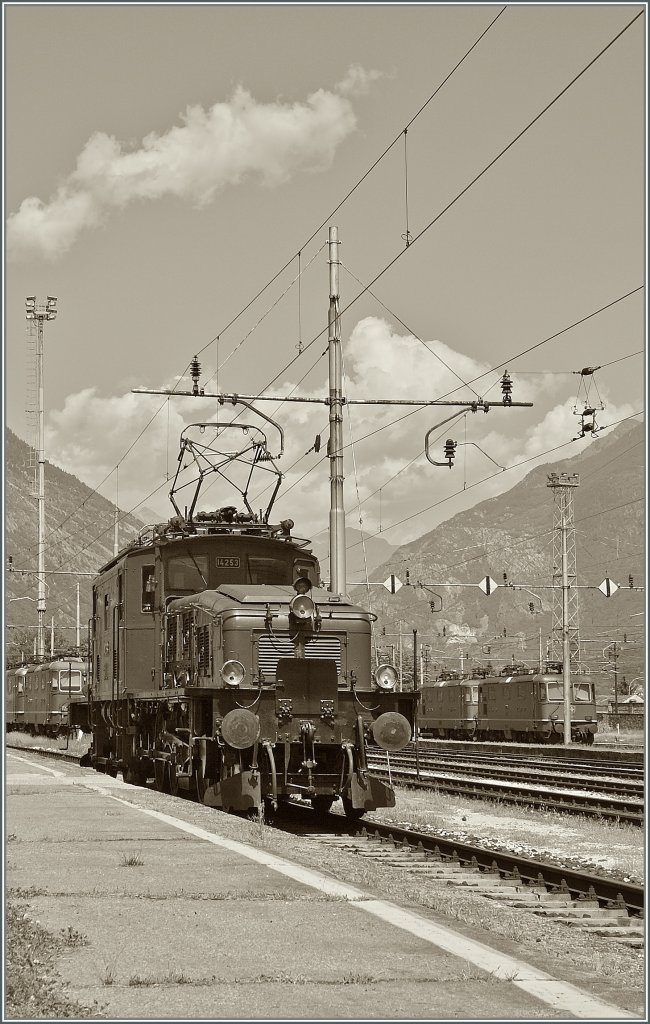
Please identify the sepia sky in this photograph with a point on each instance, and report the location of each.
(163, 163)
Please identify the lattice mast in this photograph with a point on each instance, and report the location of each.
(565, 635)
(36, 315)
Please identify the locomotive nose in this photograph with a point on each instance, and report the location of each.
(391, 731)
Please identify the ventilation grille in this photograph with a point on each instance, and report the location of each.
(271, 649)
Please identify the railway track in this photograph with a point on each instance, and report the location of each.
(599, 904)
(619, 770)
(589, 795)
(593, 903)
(586, 776)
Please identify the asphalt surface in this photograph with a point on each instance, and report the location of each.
(185, 920)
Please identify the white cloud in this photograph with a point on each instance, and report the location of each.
(357, 81)
(231, 142)
(92, 433)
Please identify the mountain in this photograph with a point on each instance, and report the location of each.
(513, 533)
(377, 552)
(78, 536)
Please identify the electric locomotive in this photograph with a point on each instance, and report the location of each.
(40, 699)
(449, 709)
(531, 708)
(513, 706)
(222, 669)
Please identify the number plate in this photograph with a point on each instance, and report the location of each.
(228, 563)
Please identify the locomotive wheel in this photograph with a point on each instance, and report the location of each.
(199, 784)
(322, 805)
(134, 778)
(172, 779)
(352, 813)
(161, 775)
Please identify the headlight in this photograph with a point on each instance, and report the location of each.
(233, 673)
(302, 607)
(385, 677)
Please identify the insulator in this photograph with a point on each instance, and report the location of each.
(195, 373)
(505, 578)
(504, 631)
(630, 580)
(450, 450)
(317, 443)
(506, 389)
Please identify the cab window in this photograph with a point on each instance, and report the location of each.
(188, 572)
(555, 691)
(582, 692)
(267, 570)
(70, 681)
(148, 588)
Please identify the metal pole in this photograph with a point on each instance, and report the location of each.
(615, 678)
(415, 659)
(540, 649)
(335, 447)
(566, 647)
(400, 656)
(415, 689)
(52, 639)
(78, 637)
(40, 636)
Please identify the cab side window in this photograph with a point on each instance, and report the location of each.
(148, 588)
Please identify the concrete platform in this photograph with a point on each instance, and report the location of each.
(184, 920)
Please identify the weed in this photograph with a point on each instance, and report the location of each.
(33, 988)
(135, 981)
(131, 860)
(73, 938)
(500, 975)
(358, 979)
(109, 976)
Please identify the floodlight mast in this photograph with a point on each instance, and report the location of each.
(38, 313)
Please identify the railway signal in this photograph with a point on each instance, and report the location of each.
(487, 585)
(392, 584)
(608, 587)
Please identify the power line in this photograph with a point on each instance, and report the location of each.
(454, 201)
(298, 253)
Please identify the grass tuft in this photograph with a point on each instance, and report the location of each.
(131, 860)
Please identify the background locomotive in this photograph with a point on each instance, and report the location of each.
(221, 668)
(38, 698)
(524, 708)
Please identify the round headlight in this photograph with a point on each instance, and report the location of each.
(302, 607)
(233, 673)
(385, 677)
